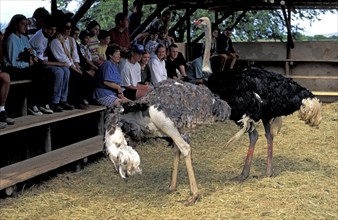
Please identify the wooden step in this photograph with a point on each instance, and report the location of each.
(27, 169)
(326, 96)
(317, 83)
(30, 121)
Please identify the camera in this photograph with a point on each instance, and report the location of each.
(25, 56)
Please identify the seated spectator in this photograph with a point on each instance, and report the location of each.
(59, 71)
(136, 17)
(155, 25)
(5, 82)
(145, 70)
(35, 23)
(119, 34)
(214, 38)
(75, 32)
(151, 45)
(86, 63)
(225, 47)
(108, 91)
(157, 65)
(164, 38)
(175, 63)
(104, 38)
(64, 50)
(20, 60)
(94, 27)
(131, 74)
(194, 72)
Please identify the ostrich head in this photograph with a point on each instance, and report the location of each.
(204, 23)
(125, 159)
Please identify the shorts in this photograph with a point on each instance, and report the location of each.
(107, 100)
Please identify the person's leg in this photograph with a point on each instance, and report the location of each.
(233, 61)
(5, 82)
(65, 83)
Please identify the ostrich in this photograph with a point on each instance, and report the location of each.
(256, 94)
(171, 108)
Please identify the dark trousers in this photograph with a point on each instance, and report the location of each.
(81, 86)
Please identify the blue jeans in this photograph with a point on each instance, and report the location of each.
(61, 79)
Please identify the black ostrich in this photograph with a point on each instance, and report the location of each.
(256, 94)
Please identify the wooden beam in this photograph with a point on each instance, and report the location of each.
(82, 10)
(125, 7)
(288, 26)
(185, 18)
(149, 19)
(53, 7)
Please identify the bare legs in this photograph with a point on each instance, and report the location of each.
(253, 136)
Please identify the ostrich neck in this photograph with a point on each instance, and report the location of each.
(206, 55)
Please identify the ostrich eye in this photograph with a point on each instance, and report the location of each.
(200, 20)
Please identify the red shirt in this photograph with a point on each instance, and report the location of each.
(120, 38)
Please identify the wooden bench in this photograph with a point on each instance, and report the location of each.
(27, 169)
(286, 62)
(51, 154)
(30, 121)
(24, 82)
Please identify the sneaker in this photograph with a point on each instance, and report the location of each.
(3, 125)
(85, 102)
(66, 106)
(5, 118)
(45, 109)
(56, 107)
(81, 106)
(34, 110)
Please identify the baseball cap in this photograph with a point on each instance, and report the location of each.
(137, 48)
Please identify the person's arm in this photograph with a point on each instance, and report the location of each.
(13, 51)
(59, 53)
(157, 72)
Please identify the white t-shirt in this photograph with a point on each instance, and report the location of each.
(157, 70)
(131, 74)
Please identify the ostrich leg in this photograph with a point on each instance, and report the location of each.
(192, 181)
(269, 139)
(253, 136)
(173, 183)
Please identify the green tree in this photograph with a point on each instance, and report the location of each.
(254, 26)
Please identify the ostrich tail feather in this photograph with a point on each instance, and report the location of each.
(275, 126)
(245, 121)
(310, 111)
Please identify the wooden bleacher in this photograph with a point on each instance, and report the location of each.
(35, 145)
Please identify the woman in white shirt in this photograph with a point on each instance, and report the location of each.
(64, 49)
(157, 65)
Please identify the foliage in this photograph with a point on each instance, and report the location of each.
(254, 26)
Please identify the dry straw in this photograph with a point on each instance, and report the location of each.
(304, 184)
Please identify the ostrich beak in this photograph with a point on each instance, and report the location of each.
(197, 22)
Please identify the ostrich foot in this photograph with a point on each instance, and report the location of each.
(239, 178)
(191, 200)
(172, 189)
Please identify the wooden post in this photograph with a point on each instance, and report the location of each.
(48, 140)
(188, 34)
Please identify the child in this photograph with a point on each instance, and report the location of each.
(86, 62)
(104, 38)
(151, 45)
(94, 27)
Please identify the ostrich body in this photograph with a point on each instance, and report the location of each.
(256, 94)
(169, 110)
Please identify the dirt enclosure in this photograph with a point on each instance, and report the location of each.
(304, 183)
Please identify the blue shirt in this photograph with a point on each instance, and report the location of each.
(15, 45)
(107, 72)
